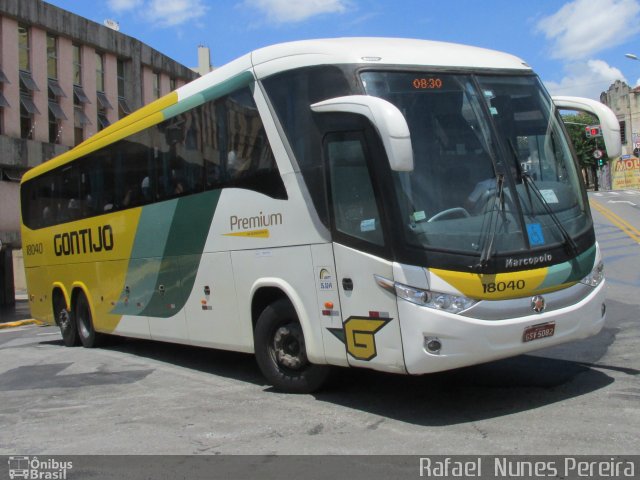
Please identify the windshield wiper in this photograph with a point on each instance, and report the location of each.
(487, 245)
(569, 244)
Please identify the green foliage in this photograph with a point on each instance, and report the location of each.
(583, 146)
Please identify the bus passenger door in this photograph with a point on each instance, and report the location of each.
(370, 324)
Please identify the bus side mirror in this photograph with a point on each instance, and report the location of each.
(609, 124)
(387, 119)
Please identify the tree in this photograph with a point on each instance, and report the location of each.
(584, 146)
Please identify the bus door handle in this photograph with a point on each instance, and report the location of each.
(347, 284)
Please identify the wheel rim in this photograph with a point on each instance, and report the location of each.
(288, 349)
(64, 319)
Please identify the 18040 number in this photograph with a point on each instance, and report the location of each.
(35, 249)
(493, 287)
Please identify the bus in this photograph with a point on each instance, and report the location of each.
(401, 205)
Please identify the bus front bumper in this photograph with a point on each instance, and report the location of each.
(465, 341)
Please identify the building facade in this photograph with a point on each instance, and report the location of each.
(625, 103)
(62, 79)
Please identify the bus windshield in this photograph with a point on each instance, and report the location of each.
(492, 168)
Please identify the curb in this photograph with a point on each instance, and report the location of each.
(21, 323)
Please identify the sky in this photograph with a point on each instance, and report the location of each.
(577, 47)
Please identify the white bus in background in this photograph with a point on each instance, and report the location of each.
(352, 202)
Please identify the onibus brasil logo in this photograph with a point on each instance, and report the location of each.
(36, 469)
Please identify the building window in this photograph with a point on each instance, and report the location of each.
(28, 109)
(3, 101)
(56, 115)
(623, 132)
(23, 47)
(99, 72)
(121, 78)
(77, 65)
(80, 119)
(103, 102)
(52, 56)
(156, 84)
(172, 84)
(103, 106)
(123, 106)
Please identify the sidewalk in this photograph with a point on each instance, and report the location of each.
(17, 315)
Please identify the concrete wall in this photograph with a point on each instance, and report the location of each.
(19, 278)
(23, 154)
(9, 56)
(9, 206)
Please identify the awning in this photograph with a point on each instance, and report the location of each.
(102, 120)
(3, 77)
(28, 105)
(56, 111)
(3, 101)
(81, 118)
(124, 106)
(56, 89)
(103, 101)
(28, 82)
(80, 95)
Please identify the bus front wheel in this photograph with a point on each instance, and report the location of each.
(65, 320)
(281, 353)
(88, 335)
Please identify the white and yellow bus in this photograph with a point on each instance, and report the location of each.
(401, 205)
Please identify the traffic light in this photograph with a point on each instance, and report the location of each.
(593, 131)
(601, 162)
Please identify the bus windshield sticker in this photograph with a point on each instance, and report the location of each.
(419, 216)
(368, 225)
(549, 196)
(536, 236)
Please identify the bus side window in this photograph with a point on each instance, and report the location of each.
(354, 205)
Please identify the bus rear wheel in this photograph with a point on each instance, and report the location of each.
(281, 353)
(65, 320)
(87, 334)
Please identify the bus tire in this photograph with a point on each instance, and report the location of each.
(65, 319)
(281, 353)
(84, 320)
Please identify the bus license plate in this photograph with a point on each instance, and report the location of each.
(536, 332)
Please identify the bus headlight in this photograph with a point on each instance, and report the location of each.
(426, 298)
(595, 277)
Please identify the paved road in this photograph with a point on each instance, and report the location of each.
(138, 397)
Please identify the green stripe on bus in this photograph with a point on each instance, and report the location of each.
(211, 93)
(571, 271)
(182, 254)
(166, 254)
